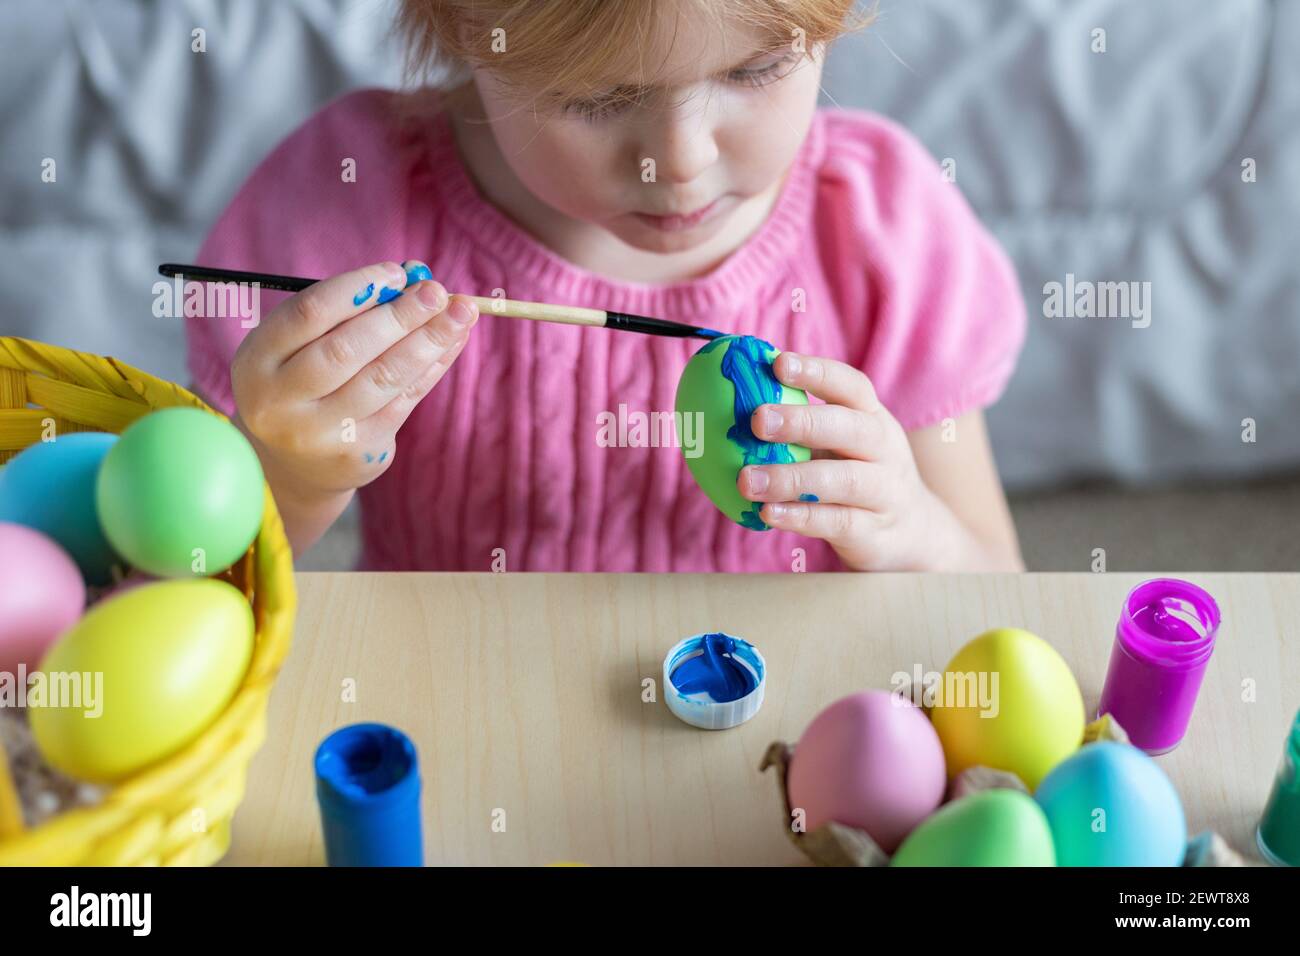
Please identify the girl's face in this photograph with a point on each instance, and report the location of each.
(718, 117)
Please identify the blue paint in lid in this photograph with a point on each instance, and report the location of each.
(718, 667)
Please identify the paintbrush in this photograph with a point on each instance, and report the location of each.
(539, 311)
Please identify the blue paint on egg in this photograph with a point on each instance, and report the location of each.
(747, 366)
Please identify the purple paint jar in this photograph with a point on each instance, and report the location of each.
(1163, 643)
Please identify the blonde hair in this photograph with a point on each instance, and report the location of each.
(574, 46)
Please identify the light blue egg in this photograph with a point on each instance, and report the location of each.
(50, 486)
(1109, 804)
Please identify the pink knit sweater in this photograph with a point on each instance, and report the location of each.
(869, 256)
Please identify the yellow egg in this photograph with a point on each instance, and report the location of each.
(140, 676)
(1008, 701)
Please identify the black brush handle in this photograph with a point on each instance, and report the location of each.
(663, 327)
(278, 283)
(264, 279)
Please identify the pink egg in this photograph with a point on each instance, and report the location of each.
(872, 761)
(41, 595)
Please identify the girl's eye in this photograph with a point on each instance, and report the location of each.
(759, 74)
(764, 73)
(592, 110)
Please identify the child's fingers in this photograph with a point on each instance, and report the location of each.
(389, 375)
(390, 418)
(311, 313)
(836, 524)
(840, 481)
(844, 431)
(336, 357)
(831, 381)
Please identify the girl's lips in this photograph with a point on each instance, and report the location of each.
(679, 223)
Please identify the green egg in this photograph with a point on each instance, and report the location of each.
(989, 828)
(721, 386)
(180, 494)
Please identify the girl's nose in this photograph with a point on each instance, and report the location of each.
(686, 144)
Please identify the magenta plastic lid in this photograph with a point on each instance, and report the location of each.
(1169, 623)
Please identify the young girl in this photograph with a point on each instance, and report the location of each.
(660, 158)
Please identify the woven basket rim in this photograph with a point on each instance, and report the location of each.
(269, 572)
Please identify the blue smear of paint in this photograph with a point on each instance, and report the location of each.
(712, 333)
(718, 668)
(809, 498)
(415, 272)
(369, 458)
(364, 294)
(383, 456)
(749, 370)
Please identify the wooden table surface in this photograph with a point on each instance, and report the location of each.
(523, 694)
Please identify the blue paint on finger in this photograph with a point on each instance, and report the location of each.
(364, 294)
(369, 457)
(383, 456)
(416, 272)
(809, 498)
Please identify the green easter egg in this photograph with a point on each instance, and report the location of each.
(180, 494)
(721, 386)
(989, 828)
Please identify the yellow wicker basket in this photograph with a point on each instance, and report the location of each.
(178, 811)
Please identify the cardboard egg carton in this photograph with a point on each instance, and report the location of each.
(834, 844)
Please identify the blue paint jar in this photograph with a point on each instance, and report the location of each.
(368, 788)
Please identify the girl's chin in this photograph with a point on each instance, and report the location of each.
(636, 232)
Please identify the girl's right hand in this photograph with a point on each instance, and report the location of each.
(324, 382)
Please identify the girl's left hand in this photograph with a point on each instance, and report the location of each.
(872, 506)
